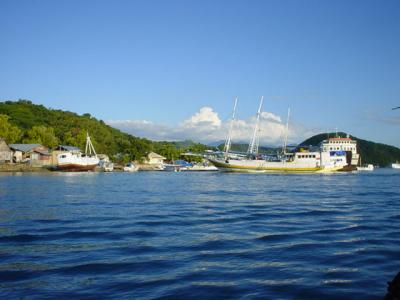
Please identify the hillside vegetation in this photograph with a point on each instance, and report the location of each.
(24, 122)
(373, 153)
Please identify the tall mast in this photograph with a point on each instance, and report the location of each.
(89, 146)
(228, 140)
(254, 142)
(286, 131)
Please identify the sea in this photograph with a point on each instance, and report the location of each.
(205, 235)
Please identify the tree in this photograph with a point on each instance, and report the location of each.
(8, 131)
(41, 135)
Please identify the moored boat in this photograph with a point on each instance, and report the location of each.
(296, 162)
(76, 161)
(108, 167)
(130, 167)
(302, 161)
(396, 165)
(367, 167)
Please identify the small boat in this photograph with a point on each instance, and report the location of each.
(367, 167)
(130, 167)
(76, 161)
(108, 167)
(396, 165)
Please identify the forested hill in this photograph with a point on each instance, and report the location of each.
(374, 153)
(24, 122)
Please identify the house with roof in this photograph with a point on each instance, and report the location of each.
(35, 154)
(154, 159)
(6, 154)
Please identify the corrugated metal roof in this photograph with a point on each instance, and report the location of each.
(68, 148)
(24, 147)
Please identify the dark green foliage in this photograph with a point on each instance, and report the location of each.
(373, 153)
(45, 126)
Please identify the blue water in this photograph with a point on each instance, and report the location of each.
(158, 235)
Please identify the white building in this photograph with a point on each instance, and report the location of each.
(155, 159)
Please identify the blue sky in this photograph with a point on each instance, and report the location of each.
(335, 63)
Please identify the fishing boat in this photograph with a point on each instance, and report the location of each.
(305, 160)
(76, 161)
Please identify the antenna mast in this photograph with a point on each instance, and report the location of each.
(254, 142)
(287, 131)
(228, 140)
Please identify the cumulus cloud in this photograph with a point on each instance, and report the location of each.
(205, 126)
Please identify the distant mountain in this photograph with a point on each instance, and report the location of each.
(374, 153)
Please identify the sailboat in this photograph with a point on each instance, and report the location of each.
(304, 161)
(78, 161)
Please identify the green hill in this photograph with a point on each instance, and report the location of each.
(373, 153)
(31, 123)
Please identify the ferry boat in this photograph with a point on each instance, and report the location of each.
(76, 161)
(302, 161)
(348, 145)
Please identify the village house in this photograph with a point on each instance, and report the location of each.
(34, 154)
(6, 154)
(155, 159)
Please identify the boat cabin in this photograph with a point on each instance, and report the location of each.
(348, 145)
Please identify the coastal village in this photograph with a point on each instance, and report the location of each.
(36, 157)
(335, 154)
(52, 146)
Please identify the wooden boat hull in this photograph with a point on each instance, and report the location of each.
(73, 168)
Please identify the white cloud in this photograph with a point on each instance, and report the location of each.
(205, 117)
(206, 126)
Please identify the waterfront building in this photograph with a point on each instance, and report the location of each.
(35, 154)
(6, 154)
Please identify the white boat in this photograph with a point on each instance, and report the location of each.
(365, 167)
(130, 167)
(108, 167)
(396, 166)
(202, 167)
(368, 167)
(76, 161)
(304, 161)
(297, 162)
